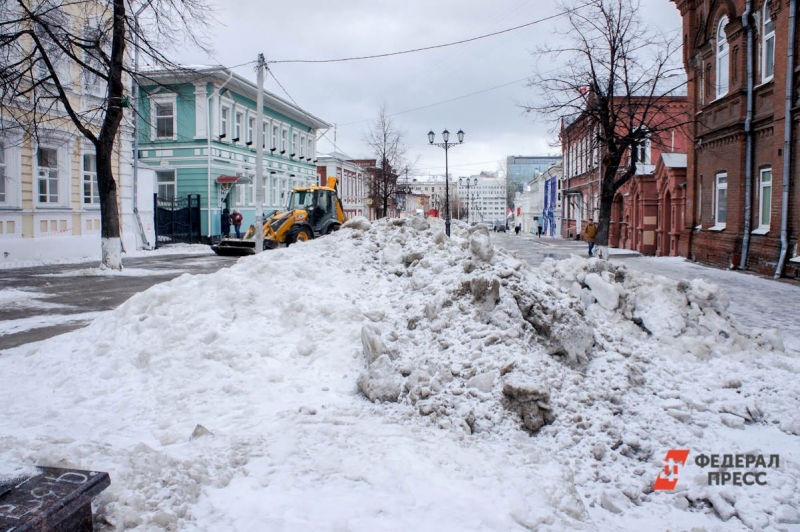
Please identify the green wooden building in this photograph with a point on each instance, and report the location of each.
(197, 130)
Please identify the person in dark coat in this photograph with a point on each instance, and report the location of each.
(517, 229)
(236, 218)
(226, 222)
(539, 230)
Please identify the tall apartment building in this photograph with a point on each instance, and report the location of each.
(521, 169)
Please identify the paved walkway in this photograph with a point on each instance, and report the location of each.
(64, 297)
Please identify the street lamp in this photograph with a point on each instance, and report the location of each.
(461, 181)
(402, 191)
(446, 145)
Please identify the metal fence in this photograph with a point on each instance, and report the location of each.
(177, 220)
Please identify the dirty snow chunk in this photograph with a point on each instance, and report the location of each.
(480, 244)
(529, 399)
(787, 515)
(200, 431)
(393, 255)
(409, 258)
(660, 307)
(606, 295)
(420, 224)
(380, 382)
(721, 506)
(732, 421)
(359, 223)
(482, 382)
(791, 425)
(614, 501)
(372, 343)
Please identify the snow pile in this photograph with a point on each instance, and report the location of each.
(388, 377)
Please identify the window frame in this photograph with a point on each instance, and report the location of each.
(238, 123)
(162, 99)
(48, 181)
(251, 129)
(761, 186)
(722, 54)
(766, 37)
(225, 121)
(719, 187)
(173, 182)
(94, 191)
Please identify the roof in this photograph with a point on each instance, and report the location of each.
(674, 160)
(194, 73)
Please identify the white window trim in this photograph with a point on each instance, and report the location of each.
(251, 130)
(238, 125)
(85, 205)
(13, 148)
(227, 104)
(764, 38)
(63, 186)
(720, 56)
(718, 226)
(171, 98)
(763, 229)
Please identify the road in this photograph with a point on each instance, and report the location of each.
(65, 297)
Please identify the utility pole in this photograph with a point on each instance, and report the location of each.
(258, 188)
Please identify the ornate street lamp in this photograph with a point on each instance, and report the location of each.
(446, 145)
(461, 181)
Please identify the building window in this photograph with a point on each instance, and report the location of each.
(91, 195)
(167, 188)
(274, 144)
(723, 60)
(264, 131)
(164, 118)
(224, 121)
(251, 126)
(47, 164)
(767, 46)
(643, 150)
(237, 128)
(765, 198)
(284, 138)
(721, 200)
(2, 173)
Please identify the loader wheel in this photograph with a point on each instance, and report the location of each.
(332, 229)
(299, 234)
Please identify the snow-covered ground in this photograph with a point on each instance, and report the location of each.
(503, 397)
(172, 249)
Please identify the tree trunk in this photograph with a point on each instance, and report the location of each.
(111, 244)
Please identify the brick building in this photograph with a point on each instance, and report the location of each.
(740, 209)
(643, 213)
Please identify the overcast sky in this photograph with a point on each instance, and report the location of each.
(350, 94)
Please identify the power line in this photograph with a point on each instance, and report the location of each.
(545, 19)
(440, 103)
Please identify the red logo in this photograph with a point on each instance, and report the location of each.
(674, 459)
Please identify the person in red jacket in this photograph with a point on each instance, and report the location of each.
(236, 218)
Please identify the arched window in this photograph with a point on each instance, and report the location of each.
(723, 61)
(767, 46)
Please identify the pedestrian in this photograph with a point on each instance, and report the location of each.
(539, 230)
(226, 223)
(517, 229)
(236, 218)
(589, 234)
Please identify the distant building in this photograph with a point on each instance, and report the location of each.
(522, 169)
(353, 182)
(484, 197)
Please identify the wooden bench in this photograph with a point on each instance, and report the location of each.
(55, 500)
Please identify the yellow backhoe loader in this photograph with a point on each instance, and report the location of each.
(312, 211)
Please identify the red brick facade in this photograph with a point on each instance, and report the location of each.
(643, 216)
(719, 169)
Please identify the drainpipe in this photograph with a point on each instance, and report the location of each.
(787, 140)
(748, 131)
(208, 145)
(142, 234)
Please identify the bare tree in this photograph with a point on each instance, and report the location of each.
(64, 66)
(619, 83)
(387, 145)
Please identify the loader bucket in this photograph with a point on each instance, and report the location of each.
(233, 247)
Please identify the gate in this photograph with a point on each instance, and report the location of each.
(177, 219)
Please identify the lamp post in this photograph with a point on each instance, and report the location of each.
(402, 192)
(461, 181)
(446, 145)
